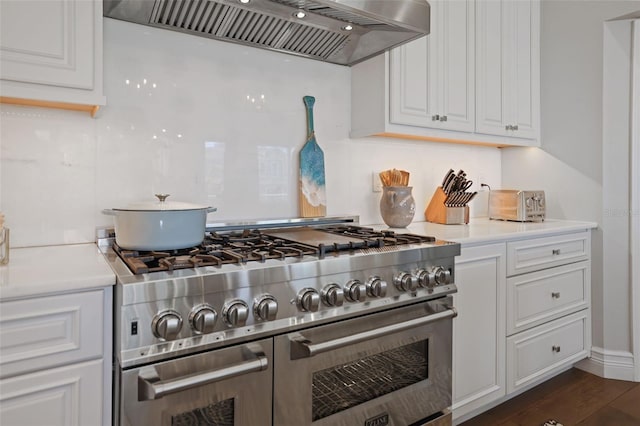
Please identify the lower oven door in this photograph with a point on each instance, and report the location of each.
(229, 386)
(387, 368)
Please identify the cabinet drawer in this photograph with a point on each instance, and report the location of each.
(537, 297)
(45, 332)
(539, 253)
(542, 351)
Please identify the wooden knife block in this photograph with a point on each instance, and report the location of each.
(437, 212)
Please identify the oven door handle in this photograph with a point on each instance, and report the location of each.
(301, 347)
(151, 387)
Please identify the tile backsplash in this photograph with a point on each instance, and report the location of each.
(207, 122)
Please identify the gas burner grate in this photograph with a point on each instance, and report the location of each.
(252, 245)
(215, 250)
(378, 238)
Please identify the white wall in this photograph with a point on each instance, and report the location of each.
(577, 167)
(205, 134)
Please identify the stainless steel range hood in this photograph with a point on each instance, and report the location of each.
(322, 34)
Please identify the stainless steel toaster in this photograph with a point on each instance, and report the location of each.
(517, 205)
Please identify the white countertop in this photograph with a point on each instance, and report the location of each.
(483, 230)
(34, 271)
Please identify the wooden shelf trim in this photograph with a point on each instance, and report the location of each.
(91, 109)
(438, 139)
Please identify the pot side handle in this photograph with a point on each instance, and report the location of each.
(209, 209)
(109, 212)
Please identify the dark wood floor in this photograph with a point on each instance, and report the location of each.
(571, 398)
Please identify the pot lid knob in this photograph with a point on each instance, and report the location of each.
(162, 197)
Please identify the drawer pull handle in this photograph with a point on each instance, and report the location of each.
(555, 295)
(555, 252)
(555, 349)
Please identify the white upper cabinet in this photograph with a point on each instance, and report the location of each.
(51, 51)
(474, 79)
(432, 78)
(508, 68)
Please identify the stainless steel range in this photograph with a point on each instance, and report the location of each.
(317, 322)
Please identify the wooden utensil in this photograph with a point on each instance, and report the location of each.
(312, 193)
(394, 177)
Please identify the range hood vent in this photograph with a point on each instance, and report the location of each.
(376, 25)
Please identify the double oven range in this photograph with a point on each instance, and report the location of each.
(292, 323)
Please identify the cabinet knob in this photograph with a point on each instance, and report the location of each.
(514, 127)
(555, 252)
(555, 295)
(443, 118)
(555, 348)
(435, 117)
(507, 127)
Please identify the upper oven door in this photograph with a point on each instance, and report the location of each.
(387, 368)
(225, 387)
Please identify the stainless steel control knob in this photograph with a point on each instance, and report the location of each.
(405, 282)
(443, 276)
(203, 318)
(376, 287)
(235, 313)
(166, 324)
(308, 300)
(426, 278)
(356, 291)
(333, 295)
(265, 308)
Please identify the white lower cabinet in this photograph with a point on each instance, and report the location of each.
(548, 306)
(479, 328)
(67, 396)
(523, 316)
(55, 362)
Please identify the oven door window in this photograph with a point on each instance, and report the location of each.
(344, 386)
(219, 414)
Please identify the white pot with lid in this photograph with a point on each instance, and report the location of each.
(160, 225)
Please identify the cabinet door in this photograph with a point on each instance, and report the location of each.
(51, 50)
(432, 78)
(411, 99)
(66, 396)
(507, 67)
(524, 86)
(454, 84)
(479, 329)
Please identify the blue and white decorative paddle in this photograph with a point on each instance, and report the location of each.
(313, 200)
